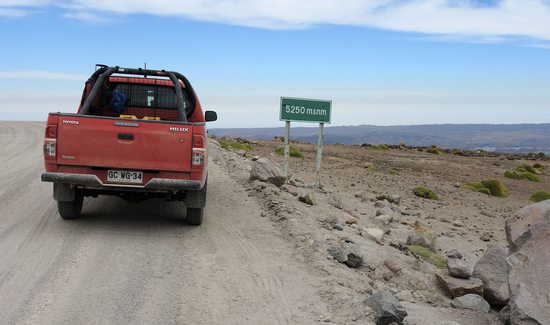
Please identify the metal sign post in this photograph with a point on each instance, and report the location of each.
(319, 155)
(287, 149)
(305, 110)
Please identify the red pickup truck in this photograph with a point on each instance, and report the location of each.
(137, 134)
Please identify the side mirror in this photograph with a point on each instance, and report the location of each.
(210, 116)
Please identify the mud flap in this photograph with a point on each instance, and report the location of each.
(63, 192)
(196, 199)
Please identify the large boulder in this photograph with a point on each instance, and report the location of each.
(457, 287)
(491, 269)
(472, 302)
(528, 234)
(267, 171)
(387, 309)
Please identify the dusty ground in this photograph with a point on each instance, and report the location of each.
(348, 170)
(259, 258)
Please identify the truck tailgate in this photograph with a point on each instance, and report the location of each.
(124, 143)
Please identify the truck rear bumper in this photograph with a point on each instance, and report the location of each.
(92, 181)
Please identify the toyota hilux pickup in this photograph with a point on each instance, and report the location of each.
(137, 134)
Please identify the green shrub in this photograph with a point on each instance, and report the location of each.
(512, 174)
(292, 151)
(538, 166)
(432, 150)
(372, 168)
(495, 187)
(491, 187)
(540, 196)
(432, 257)
(484, 191)
(387, 198)
(530, 177)
(232, 144)
(457, 151)
(380, 147)
(521, 175)
(394, 171)
(425, 192)
(526, 168)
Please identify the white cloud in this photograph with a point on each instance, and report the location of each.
(35, 74)
(85, 16)
(12, 12)
(520, 18)
(457, 19)
(20, 8)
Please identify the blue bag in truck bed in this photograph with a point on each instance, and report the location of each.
(118, 101)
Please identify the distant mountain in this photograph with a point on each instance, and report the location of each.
(513, 138)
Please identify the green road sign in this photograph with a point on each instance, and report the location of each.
(305, 110)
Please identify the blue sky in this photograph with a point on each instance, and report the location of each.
(382, 62)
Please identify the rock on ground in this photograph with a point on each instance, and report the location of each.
(425, 239)
(453, 253)
(335, 200)
(491, 270)
(267, 171)
(459, 287)
(528, 235)
(308, 198)
(355, 256)
(458, 268)
(375, 234)
(386, 308)
(472, 302)
(337, 252)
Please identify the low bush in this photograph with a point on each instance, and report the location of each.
(457, 151)
(293, 152)
(521, 175)
(432, 150)
(526, 168)
(422, 191)
(432, 257)
(232, 144)
(372, 168)
(387, 198)
(380, 147)
(394, 171)
(540, 196)
(491, 187)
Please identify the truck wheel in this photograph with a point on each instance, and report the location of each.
(194, 216)
(70, 209)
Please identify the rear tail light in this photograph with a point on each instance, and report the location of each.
(51, 132)
(198, 141)
(50, 148)
(198, 157)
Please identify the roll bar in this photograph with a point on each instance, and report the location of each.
(103, 74)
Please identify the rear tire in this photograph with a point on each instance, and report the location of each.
(194, 216)
(70, 209)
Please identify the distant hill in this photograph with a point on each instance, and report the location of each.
(513, 138)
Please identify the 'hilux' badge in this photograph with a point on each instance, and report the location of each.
(176, 129)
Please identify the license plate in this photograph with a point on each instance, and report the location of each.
(125, 176)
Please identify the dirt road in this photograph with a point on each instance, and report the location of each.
(138, 263)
